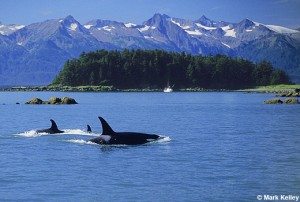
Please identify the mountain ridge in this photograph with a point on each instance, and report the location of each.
(34, 54)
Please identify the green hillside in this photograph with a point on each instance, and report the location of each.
(157, 69)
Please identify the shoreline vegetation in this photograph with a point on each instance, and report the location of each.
(281, 88)
(154, 70)
(273, 89)
(157, 69)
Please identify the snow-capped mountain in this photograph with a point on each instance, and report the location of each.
(33, 54)
(8, 29)
(122, 35)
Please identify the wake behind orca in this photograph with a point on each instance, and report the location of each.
(110, 137)
(52, 130)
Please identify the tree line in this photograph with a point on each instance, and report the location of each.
(158, 68)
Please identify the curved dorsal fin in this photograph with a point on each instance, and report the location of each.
(53, 126)
(89, 130)
(107, 130)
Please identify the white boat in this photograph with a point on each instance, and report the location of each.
(168, 89)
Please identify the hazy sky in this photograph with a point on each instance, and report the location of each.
(278, 12)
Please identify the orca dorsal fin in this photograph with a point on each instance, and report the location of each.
(53, 126)
(89, 130)
(107, 130)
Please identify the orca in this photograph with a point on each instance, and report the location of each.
(52, 130)
(89, 129)
(110, 137)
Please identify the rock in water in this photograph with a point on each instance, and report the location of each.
(54, 100)
(291, 101)
(34, 101)
(67, 100)
(273, 101)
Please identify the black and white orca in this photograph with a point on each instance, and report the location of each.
(52, 130)
(110, 137)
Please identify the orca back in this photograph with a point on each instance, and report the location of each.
(54, 127)
(109, 136)
(132, 138)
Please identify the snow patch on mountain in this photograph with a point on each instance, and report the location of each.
(88, 26)
(249, 30)
(229, 31)
(194, 32)
(176, 23)
(186, 27)
(146, 28)
(143, 29)
(226, 45)
(17, 27)
(179, 25)
(129, 25)
(148, 37)
(8, 29)
(278, 29)
(205, 27)
(73, 26)
(226, 28)
(281, 30)
(106, 28)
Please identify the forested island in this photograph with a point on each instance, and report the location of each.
(155, 69)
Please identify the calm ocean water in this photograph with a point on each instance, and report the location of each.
(221, 147)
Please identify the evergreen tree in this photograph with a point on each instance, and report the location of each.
(158, 68)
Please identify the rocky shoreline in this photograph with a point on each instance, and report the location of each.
(291, 98)
(60, 89)
(279, 101)
(100, 89)
(288, 91)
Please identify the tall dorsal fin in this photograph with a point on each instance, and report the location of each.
(107, 130)
(53, 126)
(89, 129)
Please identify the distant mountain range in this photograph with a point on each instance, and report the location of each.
(34, 54)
